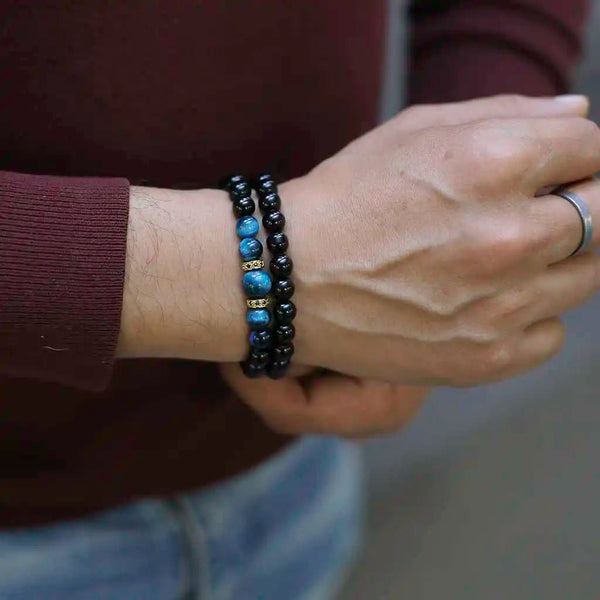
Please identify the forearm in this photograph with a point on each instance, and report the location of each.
(182, 296)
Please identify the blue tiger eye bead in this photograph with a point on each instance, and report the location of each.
(250, 249)
(247, 227)
(258, 318)
(256, 283)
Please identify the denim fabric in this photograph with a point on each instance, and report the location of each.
(286, 530)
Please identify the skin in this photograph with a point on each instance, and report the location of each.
(451, 270)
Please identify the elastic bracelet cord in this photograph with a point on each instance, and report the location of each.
(255, 281)
(281, 267)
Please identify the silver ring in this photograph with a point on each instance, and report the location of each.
(584, 214)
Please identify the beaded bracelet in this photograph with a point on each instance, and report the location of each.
(255, 281)
(281, 267)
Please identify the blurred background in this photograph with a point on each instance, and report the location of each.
(494, 493)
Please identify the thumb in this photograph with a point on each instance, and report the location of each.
(281, 403)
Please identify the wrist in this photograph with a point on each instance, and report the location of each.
(308, 233)
(182, 295)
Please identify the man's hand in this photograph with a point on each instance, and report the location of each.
(425, 256)
(349, 406)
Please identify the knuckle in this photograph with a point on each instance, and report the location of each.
(585, 128)
(479, 363)
(496, 359)
(509, 102)
(416, 112)
(498, 153)
(495, 316)
(507, 243)
(517, 153)
(555, 338)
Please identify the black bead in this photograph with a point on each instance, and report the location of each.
(284, 351)
(269, 203)
(274, 221)
(282, 266)
(285, 312)
(252, 370)
(277, 369)
(243, 207)
(283, 289)
(285, 333)
(278, 243)
(259, 358)
(266, 187)
(259, 179)
(241, 189)
(261, 340)
(228, 181)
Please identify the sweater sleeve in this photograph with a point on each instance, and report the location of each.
(468, 48)
(62, 263)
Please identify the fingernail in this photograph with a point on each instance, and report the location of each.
(572, 100)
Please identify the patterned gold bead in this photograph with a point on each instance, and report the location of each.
(252, 265)
(257, 302)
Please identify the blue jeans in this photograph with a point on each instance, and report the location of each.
(286, 530)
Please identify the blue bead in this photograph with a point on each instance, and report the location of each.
(258, 318)
(247, 227)
(256, 283)
(250, 248)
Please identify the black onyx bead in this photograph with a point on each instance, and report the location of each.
(269, 203)
(259, 179)
(282, 266)
(261, 340)
(253, 370)
(277, 369)
(284, 351)
(243, 207)
(283, 289)
(285, 333)
(285, 312)
(259, 358)
(241, 189)
(227, 182)
(278, 243)
(274, 222)
(266, 187)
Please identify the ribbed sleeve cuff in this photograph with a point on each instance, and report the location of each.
(62, 263)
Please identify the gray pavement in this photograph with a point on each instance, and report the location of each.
(494, 493)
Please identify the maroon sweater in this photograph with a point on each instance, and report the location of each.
(97, 95)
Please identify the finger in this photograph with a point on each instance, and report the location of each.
(510, 105)
(423, 116)
(560, 223)
(556, 150)
(535, 346)
(357, 408)
(558, 289)
(332, 404)
(282, 403)
(565, 286)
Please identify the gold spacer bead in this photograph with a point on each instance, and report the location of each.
(257, 302)
(252, 265)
